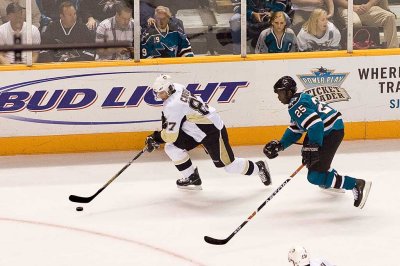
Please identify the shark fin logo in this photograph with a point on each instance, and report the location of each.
(325, 85)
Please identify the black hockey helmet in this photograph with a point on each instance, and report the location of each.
(286, 83)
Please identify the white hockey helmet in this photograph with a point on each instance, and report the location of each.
(163, 83)
(298, 256)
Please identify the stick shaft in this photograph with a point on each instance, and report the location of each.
(215, 241)
(79, 199)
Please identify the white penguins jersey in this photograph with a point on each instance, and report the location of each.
(198, 117)
(320, 262)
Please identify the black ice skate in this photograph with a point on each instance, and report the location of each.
(263, 172)
(193, 182)
(361, 191)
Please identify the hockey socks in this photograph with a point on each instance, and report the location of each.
(331, 179)
(247, 167)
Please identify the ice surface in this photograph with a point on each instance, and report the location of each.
(143, 219)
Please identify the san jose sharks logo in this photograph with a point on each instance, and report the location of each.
(158, 45)
(325, 85)
(66, 55)
(165, 51)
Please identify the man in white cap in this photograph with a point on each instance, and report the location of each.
(16, 28)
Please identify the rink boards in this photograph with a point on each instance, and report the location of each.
(103, 106)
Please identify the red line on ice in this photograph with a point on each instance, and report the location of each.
(164, 251)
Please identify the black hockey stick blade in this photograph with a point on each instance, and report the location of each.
(214, 241)
(80, 199)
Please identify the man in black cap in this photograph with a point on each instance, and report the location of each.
(35, 11)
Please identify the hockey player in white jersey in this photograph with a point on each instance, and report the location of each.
(188, 122)
(299, 256)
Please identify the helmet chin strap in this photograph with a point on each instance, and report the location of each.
(171, 90)
(288, 96)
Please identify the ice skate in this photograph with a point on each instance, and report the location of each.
(193, 182)
(361, 191)
(263, 172)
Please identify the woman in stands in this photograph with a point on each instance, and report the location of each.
(318, 34)
(278, 38)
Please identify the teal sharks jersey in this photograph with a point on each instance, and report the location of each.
(172, 43)
(309, 115)
(269, 43)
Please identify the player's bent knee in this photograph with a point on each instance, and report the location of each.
(169, 148)
(174, 152)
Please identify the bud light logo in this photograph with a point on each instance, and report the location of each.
(70, 93)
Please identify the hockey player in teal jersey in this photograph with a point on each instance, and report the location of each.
(325, 132)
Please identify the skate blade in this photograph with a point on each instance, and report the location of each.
(332, 190)
(367, 188)
(190, 187)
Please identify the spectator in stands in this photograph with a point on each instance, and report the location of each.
(16, 26)
(147, 8)
(67, 30)
(113, 29)
(318, 34)
(44, 19)
(146, 12)
(22, 3)
(277, 38)
(370, 13)
(258, 15)
(92, 12)
(147, 17)
(163, 38)
(303, 8)
(49, 10)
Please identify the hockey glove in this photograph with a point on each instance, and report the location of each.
(310, 154)
(272, 149)
(151, 143)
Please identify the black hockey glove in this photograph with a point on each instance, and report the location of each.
(151, 143)
(272, 149)
(310, 154)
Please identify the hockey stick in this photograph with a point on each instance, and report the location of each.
(80, 199)
(215, 241)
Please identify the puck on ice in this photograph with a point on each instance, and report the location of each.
(79, 209)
